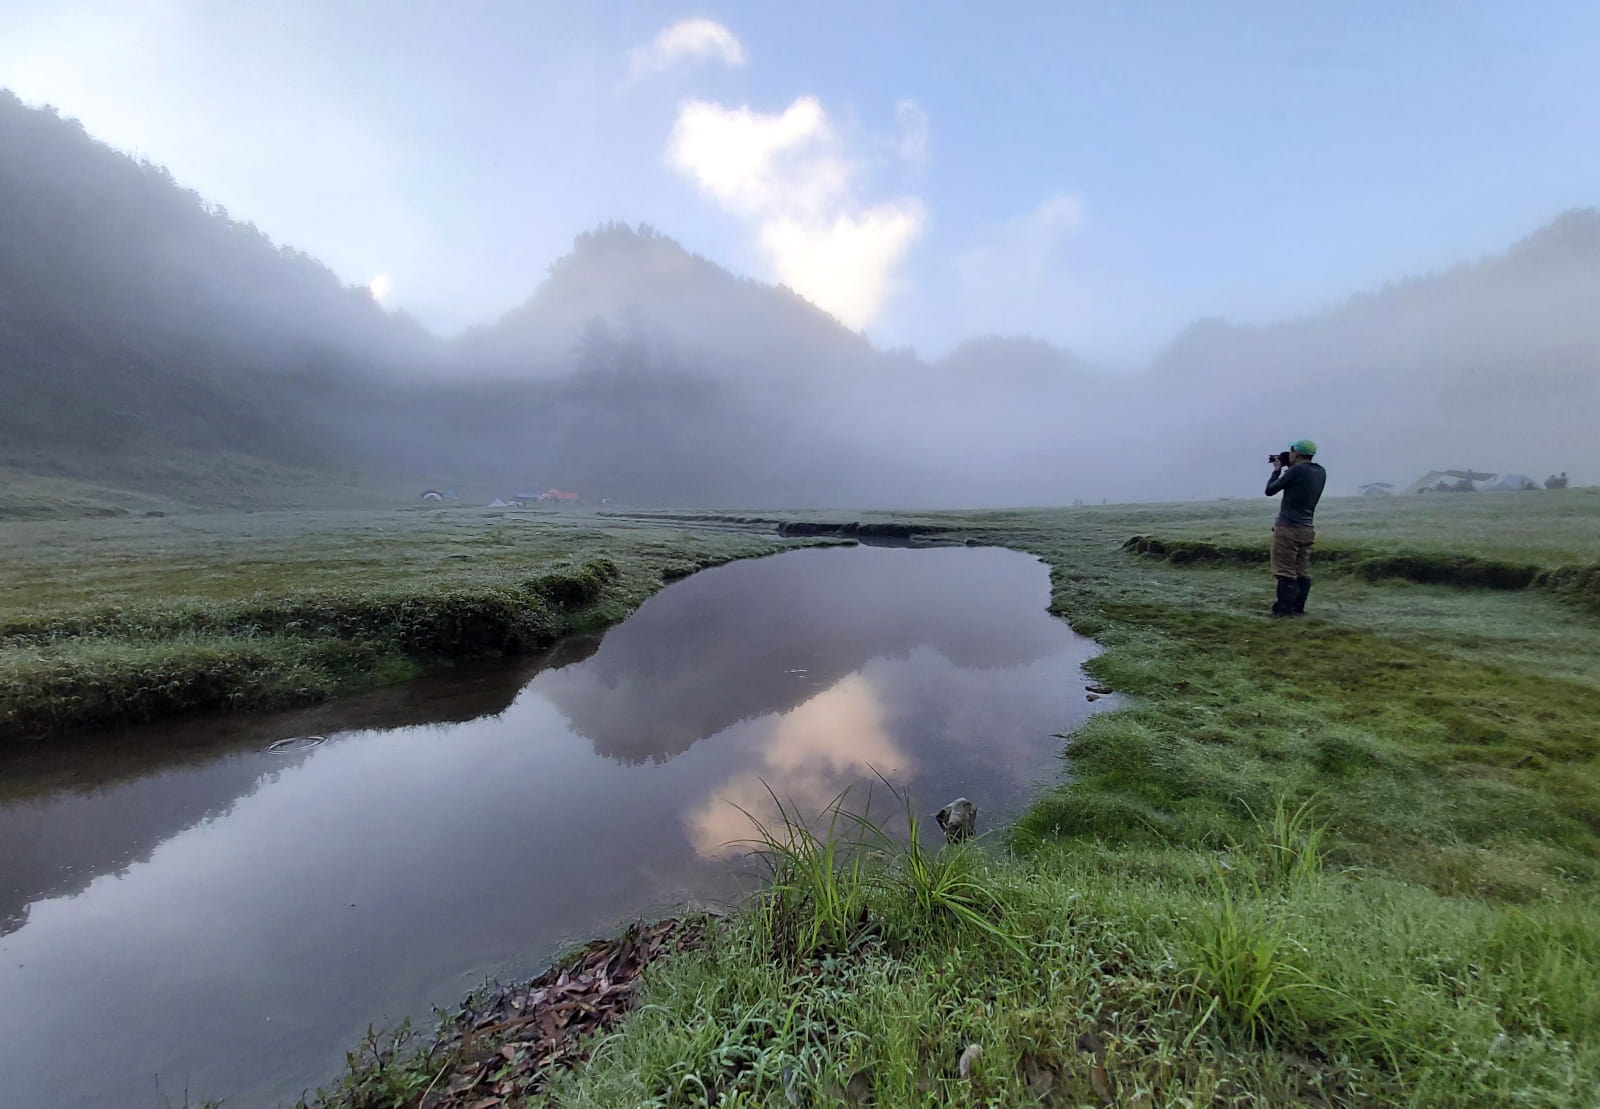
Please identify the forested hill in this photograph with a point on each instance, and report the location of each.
(635, 286)
(143, 332)
(150, 342)
(651, 372)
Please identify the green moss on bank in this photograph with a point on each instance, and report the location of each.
(1579, 583)
(117, 622)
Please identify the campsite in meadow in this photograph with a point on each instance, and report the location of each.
(590, 555)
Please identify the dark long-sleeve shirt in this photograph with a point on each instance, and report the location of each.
(1301, 486)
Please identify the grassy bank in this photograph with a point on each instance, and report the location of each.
(1347, 860)
(116, 620)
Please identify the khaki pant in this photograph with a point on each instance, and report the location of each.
(1291, 551)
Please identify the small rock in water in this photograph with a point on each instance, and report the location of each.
(1091, 697)
(1099, 688)
(959, 819)
(296, 743)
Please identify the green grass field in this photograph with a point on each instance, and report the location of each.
(113, 620)
(1348, 860)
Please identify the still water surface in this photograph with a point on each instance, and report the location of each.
(183, 910)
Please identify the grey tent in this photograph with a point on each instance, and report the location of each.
(1449, 479)
(1511, 483)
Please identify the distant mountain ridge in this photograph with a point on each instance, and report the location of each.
(1561, 260)
(150, 340)
(1491, 365)
(644, 287)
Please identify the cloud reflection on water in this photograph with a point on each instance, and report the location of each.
(813, 753)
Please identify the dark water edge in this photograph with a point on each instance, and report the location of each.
(280, 655)
(231, 919)
(201, 757)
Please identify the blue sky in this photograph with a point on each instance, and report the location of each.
(1096, 174)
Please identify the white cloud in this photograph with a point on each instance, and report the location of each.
(753, 163)
(1057, 216)
(382, 289)
(690, 40)
(1013, 281)
(844, 266)
(790, 175)
(912, 144)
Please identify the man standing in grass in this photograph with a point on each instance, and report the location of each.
(1300, 480)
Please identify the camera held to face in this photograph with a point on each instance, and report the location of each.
(1281, 458)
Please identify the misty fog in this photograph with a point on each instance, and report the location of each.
(144, 331)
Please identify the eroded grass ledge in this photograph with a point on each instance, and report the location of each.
(160, 625)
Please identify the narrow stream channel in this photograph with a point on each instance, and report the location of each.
(186, 913)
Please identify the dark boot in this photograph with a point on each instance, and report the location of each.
(1287, 592)
(1302, 590)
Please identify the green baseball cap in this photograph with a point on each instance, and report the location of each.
(1303, 446)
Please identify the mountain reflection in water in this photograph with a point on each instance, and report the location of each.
(755, 639)
(231, 920)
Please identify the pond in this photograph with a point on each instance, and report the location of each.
(203, 910)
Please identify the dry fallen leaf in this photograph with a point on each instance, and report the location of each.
(1101, 1081)
(539, 1026)
(1040, 1076)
